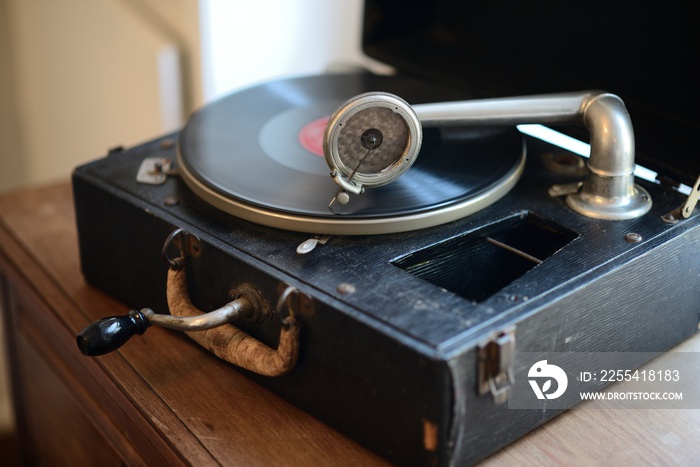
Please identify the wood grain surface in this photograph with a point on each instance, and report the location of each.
(162, 399)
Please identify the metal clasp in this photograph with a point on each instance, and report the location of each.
(155, 170)
(307, 246)
(188, 245)
(293, 303)
(496, 366)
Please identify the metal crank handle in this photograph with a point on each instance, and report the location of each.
(211, 330)
(108, 334)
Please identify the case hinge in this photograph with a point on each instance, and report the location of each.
(686, 209)
(496, 365)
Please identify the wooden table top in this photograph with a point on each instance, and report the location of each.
(208, 413)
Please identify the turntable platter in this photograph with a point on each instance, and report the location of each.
(257, 154)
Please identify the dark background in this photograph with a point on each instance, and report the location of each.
(644, 53)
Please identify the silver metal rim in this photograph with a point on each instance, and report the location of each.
(339, 226)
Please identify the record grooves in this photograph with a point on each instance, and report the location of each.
(251, 154)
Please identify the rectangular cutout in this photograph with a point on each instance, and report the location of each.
(479, 264)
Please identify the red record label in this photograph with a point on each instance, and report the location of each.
(311, 136)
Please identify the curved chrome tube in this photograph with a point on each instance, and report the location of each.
(545, 108)
(108, 334)
(609, 191)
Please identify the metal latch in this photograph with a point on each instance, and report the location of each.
(155, 170)
(309, 245)
(496, 366)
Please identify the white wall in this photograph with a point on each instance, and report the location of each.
(249, 42)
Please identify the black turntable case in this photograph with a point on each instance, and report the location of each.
(398, 355)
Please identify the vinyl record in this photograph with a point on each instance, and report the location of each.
(257, 154)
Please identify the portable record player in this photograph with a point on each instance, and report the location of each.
(392, 299)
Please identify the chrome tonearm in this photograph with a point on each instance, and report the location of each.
(608, 192)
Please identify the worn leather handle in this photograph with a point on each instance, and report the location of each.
(230, 343)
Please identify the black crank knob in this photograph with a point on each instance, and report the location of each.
(108, 334)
